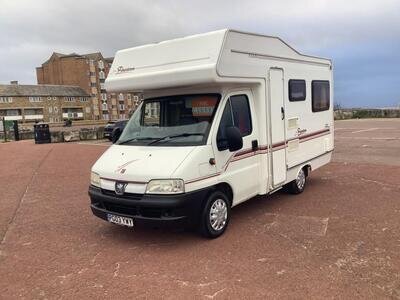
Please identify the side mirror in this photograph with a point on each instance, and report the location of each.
(234, 138)
(116, 133)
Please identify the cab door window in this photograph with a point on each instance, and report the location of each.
(236, 113)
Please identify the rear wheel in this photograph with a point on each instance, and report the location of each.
(298, 185)
(215, 216)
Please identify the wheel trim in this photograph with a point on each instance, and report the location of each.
(218, 214)
(301, 179)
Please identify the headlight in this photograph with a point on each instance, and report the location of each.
(165, 186)
(95, 179)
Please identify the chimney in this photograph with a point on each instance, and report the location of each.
(14, 82)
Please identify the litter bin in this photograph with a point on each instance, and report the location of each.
(42, 133)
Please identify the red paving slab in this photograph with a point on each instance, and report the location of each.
(375, 141)
(339, 239)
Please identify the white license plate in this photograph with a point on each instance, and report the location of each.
(124, 221)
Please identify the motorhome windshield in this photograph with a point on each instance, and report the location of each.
(182, 120)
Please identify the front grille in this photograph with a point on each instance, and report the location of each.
(122, 209)
(125, 195)
(148, 212)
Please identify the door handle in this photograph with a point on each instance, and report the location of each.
(254, 145)
(283, 113)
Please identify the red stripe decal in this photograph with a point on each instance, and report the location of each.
(246, 153)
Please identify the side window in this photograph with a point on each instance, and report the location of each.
(320, 95)
(226, 121)
(241, 114)
(236, 113)
(297, 90)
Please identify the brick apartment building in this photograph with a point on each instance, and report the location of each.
(48, 103)
(89, 72)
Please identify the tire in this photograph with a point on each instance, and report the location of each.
(298, 185)
(215, 216)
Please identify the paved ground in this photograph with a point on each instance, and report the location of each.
(339, 239)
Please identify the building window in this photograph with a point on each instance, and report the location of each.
(104, 106)
(102, 75)
(91, 62)
(129, 96)
(69, 99)
(50, 109)
(121, 97)
(135, 98)
(31, 114)
(92, 73)
(297, 90)
(102, 87)
(6, 99)
(104, 97)
(54, 98)
(35, 99)
(75, 113)
(93, 84)
(84, 99)
(320, 95)
(101, 64)
(121, 107)
(48, 98)
(105, 117)
(122, 116)
(55, 109)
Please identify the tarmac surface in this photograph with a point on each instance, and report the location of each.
(338, 239)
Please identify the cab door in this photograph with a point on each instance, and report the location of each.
(277, 125)
(240, 169)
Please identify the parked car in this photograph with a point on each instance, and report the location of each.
(114, 128)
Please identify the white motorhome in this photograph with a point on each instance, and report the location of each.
(227, 115)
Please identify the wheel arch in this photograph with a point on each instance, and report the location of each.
(307, 169)
(226, 189)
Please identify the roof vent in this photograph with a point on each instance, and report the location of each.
(14, 82)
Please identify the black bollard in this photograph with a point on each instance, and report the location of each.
(16, 131)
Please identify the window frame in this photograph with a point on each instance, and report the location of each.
(290, 90)
(229, 102)
(162, 114)
(312, 95)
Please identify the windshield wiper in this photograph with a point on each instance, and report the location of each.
(173, 136)
(135, 139)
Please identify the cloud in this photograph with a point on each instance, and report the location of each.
(354, 33)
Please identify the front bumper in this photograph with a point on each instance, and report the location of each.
(176, 210)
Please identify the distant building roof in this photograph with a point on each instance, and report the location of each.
(94, 56)
(109, 59)
(20, 90)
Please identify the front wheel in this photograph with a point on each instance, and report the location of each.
(298, 185)
(215, 216)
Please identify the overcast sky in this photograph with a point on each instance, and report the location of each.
(362, 37)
